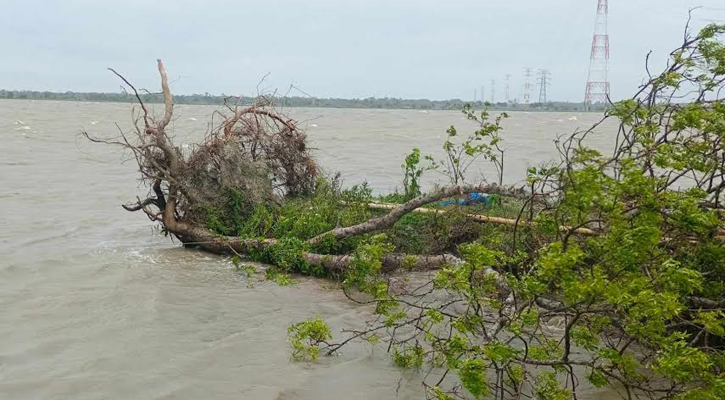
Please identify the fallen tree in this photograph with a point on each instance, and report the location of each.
(258, 156)
(610, 269)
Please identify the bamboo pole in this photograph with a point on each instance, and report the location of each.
(498, 220)
(478, 218)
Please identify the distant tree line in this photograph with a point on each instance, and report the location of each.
(296, 101)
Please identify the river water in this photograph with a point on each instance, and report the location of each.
(95, 304)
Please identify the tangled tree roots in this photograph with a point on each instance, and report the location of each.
(255, 156)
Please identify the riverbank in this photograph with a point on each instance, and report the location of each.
(306, 102)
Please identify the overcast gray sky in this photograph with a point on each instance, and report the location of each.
(338, 48)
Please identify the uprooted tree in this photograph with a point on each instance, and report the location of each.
(611, 269)
(254, 158)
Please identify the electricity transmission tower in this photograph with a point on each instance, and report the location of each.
(493, 91)
(597, 90)
(508, 98)
(527, 85)
(544, 82)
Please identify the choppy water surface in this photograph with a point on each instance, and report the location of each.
(95, 304)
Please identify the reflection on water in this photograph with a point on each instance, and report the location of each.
(95, 304)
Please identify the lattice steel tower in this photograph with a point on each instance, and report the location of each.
(527, 85)
(544, 82)
(508, 78)
(598, 79)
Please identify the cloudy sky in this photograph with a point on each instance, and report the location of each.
(332, 48)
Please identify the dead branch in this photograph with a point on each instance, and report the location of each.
(168, 99)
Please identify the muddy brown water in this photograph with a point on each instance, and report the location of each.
(95, 304)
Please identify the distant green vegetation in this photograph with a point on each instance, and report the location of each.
(296, 101)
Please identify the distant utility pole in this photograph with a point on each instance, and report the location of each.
(508, 78)
(474, 95)
(483, 91)
(598, 79)
(527, 85)
(493, 91)
(544, 81)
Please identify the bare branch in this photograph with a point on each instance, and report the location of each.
(168, 99)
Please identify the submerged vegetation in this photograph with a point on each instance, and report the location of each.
(608, 269)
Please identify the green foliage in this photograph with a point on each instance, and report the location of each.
(548, 388)
(365, 274)
(682, 363)
(278, 277)
(306, 337)
(712, 321)
(214, 220)
(287, 254)
(438, 394)
(434, 234)
(412, 174)
(247, 269)
(367, 264)
(259, 224)
(597, 379)
(482, 143)
(230, 216)
(409, 357)
(473, 377)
